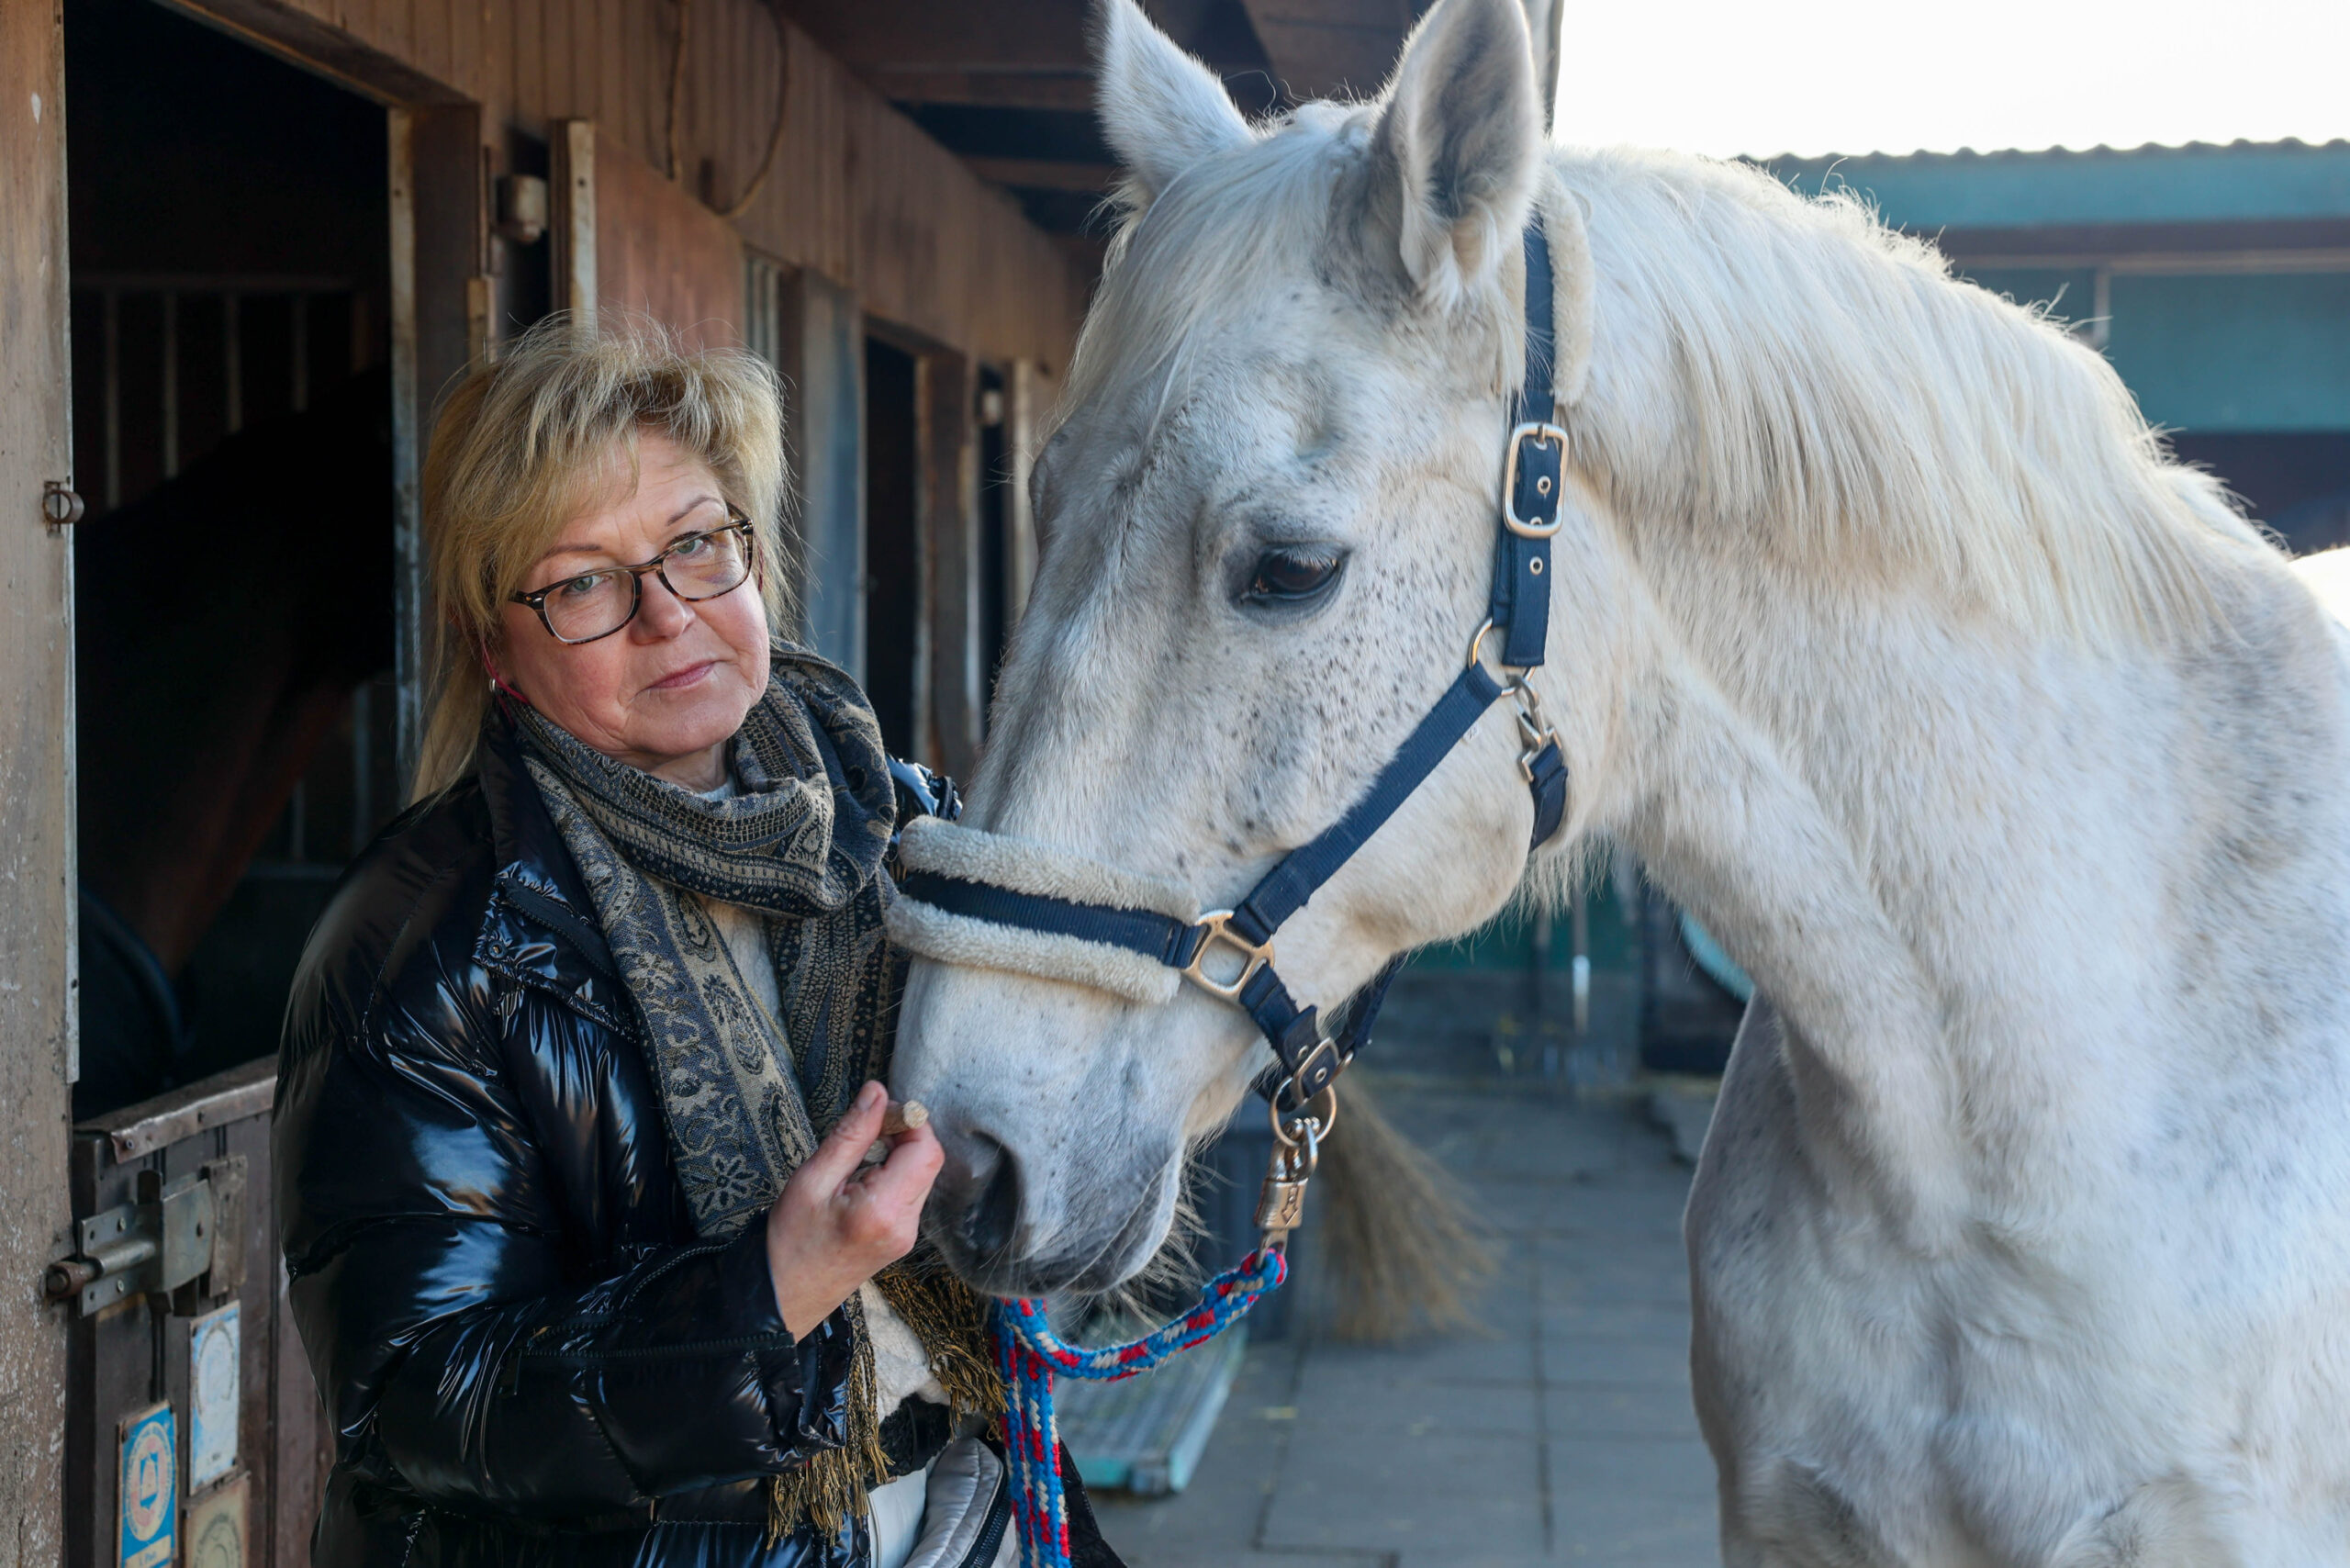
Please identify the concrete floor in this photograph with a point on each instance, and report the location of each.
(1561, 1435)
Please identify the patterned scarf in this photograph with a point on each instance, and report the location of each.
(747, 1095)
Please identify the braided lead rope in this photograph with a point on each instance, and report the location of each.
(1029, 1353)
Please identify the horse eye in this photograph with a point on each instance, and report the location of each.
(1288, 576)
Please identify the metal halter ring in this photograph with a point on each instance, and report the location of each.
(1477, 645)
(1214, 927)
(1311, 1127)
(1549, 435)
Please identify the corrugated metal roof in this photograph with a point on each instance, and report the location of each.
(2195, 183)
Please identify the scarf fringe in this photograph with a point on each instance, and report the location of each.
(828, 1489)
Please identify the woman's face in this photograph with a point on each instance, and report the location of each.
(665, 691)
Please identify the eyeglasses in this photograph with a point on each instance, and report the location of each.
(599, 603)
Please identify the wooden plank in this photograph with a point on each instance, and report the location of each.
(1028, 401)
(660, 253)
(1010, 87)
(822, 366)
(436, 214)
(571, 224)
(950, 519)
(37, 911)
(368, 54)
(213, 1102)
(1044, 174)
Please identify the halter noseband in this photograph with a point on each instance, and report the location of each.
(1520, 610)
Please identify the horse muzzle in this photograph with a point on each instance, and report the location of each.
(1031, 1226)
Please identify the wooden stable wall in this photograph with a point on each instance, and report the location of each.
(859, 209)
(858, 193)
(38, 971)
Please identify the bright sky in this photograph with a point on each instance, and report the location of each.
(1765, 77)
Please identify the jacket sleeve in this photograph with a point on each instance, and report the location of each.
(427, 1252)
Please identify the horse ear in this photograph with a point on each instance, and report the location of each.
(1462, 131)
(1161, 110)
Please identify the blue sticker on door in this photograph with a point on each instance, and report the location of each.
(149, 1489)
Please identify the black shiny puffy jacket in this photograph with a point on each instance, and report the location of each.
(527, 1356)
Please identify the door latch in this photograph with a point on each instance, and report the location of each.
(157, 1243)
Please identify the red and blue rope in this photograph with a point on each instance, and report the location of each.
(1030, 1354)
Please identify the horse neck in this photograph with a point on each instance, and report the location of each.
(1977, 869)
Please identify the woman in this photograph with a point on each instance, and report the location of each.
(596, 1246)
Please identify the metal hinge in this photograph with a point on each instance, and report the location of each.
(159, 1243)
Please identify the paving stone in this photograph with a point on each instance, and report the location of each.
(1488, 1358)
(1651, 1364)
(1362, 1487)
(1589, 1411)
(1156, 1557)
(1401, 1396)
(1582, 1319)
(1628, 1270)
(1626, 1501)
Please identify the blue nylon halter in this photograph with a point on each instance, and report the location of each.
(1519, 609)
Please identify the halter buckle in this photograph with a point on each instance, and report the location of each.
(1216, 928)
(1549, 435)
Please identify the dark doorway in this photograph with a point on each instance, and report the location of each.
(229, 250)
(892, 542)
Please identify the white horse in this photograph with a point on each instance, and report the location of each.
(2007, 758)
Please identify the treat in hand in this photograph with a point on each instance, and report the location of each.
(901, 1116)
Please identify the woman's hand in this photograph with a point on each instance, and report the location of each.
(838, 1222)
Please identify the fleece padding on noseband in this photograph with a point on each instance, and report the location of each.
(994, 860)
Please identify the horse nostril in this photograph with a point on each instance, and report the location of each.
(992, 1220)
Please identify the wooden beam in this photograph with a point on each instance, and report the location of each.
(1325, 48)
(296, 36)
(1009, 88)
(949, 34)
(38, 940)
(1044, 174)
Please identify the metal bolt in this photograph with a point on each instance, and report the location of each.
(60, 504)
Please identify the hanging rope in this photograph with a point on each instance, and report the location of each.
(1030, 1354)
(742, 204)
(774, 133)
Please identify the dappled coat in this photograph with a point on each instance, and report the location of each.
(526, 1353)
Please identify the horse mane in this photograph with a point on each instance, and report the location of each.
(1791, 375)
(1173, 260)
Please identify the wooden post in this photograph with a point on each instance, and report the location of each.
(1028, 398)
(571, 225)
(949, 689)
(37, 932)
(437, 301)
(821, 361)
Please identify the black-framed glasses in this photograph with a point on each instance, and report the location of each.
(695, 567)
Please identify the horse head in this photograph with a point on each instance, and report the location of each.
(1267, 524)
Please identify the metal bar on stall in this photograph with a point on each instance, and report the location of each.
(301, 335)
(171, 385)
(113, 333)
(363, 765)
(232, 359)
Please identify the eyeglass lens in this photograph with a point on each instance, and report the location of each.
(596, 604)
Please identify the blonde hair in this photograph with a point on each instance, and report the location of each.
(527, 440)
